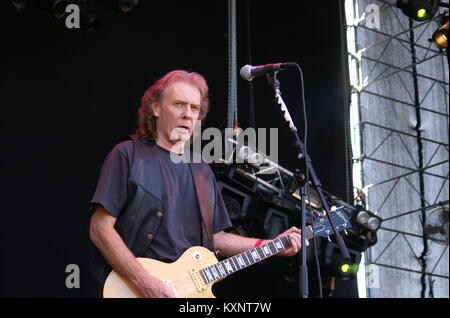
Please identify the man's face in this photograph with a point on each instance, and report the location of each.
(176, 112)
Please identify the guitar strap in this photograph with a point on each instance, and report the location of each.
(202, 189)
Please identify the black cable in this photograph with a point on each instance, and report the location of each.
(431, 291)
(319, 277)
(251, 99)
(305, 154)
(423, 256)
(346, 102)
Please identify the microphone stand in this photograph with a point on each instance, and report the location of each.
(275, 84)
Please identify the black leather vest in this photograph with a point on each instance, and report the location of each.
(140, 219)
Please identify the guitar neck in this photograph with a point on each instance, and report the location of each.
(240, 261)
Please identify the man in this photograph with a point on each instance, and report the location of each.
(145, 205)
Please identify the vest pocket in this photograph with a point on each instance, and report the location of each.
(139, 222)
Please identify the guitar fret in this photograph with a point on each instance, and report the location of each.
(255, 255)
(272, 247)
(228, 266)
(249, 262)
(205, 277)
(218, 270)
(279, 245)
(233, 264)
(260, 252)
(236, 263)
(214, 272)
(202, 274)
(240, 260)
(221, 270)
(208, 274)
(285, 241)
(266, 250)
(251, 257)
(274, 243)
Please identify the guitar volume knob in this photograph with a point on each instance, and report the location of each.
(197, 256)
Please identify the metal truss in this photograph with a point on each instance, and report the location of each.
(364, 60)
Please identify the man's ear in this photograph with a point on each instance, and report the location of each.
(156, 109)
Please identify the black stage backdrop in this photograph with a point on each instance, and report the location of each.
(66, 95)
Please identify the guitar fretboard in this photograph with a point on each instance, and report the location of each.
(240, 261)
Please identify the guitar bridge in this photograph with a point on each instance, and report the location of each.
(169, 283)
(197, 279)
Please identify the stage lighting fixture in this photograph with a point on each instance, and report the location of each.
(363, 233)
(362, 217)
(56, 7)
(236, 201)
(346, 269)
(88, 18)
(366, 219)
(373, 224)
(21, 4)
(119, 5)
(338, 267)
(440, 36)
(419, 10)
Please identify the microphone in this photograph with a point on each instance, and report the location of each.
(249, 72)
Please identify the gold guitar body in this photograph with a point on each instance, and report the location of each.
(181, 276)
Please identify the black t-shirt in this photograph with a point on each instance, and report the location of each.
(180, 227)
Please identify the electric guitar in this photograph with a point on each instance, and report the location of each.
(197, 269)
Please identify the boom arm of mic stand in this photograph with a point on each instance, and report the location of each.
(303, 272)
(275, 84)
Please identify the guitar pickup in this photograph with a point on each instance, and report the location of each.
(197, 279)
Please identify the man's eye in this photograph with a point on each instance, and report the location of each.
(196, 108)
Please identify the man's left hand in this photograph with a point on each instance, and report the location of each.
(295, 238)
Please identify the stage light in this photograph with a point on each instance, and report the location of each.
(373, 224)
(363, 233)
(440, 36)
(56, 7)
(345, 268)
(422, 13)
(236, 201)
(337, 267)
(362, 217)
(88, 18)
(120, 5)
(419, 10)
(21, 4)
(366, 219)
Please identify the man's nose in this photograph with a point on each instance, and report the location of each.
(188, 112)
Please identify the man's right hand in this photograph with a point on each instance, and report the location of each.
(155, 288)
(120, 258)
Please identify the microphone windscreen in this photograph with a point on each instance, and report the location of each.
(246, 72)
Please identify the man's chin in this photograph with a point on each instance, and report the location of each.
(181, 138)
